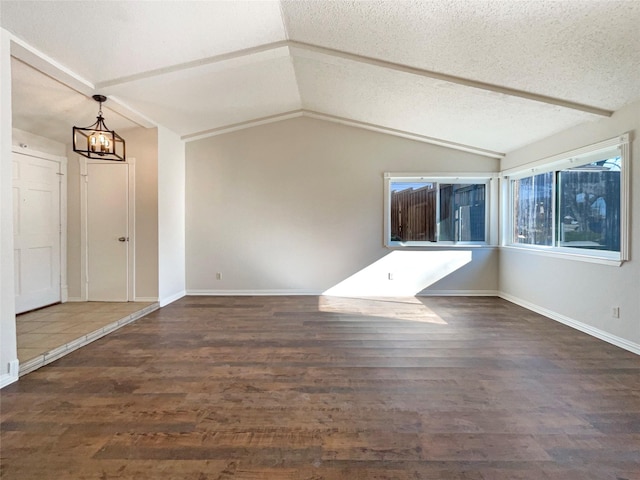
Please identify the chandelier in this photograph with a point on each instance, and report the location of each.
(97, 141)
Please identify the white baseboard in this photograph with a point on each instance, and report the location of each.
(136, 299)
(145, 299)
(7, 379)
(245, 293)
(172, 298)
(439, 293)
(583, 327)
(459, 293)
(12, 376)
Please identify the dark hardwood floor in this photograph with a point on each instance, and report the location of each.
(315, 388)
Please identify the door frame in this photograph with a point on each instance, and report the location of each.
(84, 246)
(62, 174)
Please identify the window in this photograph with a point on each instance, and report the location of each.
(576, 204)
(533, 204)
(436, 210)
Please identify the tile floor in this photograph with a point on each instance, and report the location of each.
(50, 333)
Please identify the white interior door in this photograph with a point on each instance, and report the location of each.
(37, 231)
(107, 231)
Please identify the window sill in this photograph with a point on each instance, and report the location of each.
(438, 246)
(555, 253)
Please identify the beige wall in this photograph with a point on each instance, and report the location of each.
(574, 291)
(297, 207)
(142, 144)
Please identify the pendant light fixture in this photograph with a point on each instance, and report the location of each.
(97, 141)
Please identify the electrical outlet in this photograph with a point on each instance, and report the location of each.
(219, 276)
(615, 312)
(390, 276)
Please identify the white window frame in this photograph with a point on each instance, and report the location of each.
(554, 164)
(489, 179)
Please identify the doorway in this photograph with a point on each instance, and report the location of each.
(107, 230)
(39, 196)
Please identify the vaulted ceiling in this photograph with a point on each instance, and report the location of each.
(487, 75)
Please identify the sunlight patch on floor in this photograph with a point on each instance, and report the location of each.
(403, 308)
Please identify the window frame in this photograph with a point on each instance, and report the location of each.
(555, 164)
(489, 179)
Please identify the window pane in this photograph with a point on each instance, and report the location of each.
(532, 202)
(428, 211)
(462, 212)
(413, 211)
(589, 206)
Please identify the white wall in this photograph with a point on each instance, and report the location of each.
(579, 293)
(171, 216)
(29, 140)
(8, 345)
(297, 207)
(74, 244)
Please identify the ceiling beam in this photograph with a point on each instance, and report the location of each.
(58, 72)
(190, 137)
(50, 67)
(306, 48)
(343, 121)
(404, 134)
(232, 60)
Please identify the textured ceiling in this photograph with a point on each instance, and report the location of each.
(50, 108)
(490, 75)
(577, 49)
(103, 40)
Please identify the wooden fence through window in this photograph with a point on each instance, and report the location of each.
(413, 214)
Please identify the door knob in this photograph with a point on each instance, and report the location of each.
(123, 239)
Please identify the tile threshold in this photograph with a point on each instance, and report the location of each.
(59, 352)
